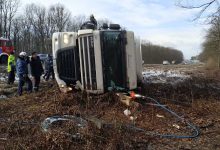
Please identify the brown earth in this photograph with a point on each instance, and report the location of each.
(21, 119)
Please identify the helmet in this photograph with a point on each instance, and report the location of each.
(23, 54)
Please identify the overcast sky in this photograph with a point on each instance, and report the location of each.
(158, 21)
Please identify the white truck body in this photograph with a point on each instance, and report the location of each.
(96, 58)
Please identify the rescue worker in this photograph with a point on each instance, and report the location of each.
(93, 21)
(11, 68)
(22, 72)
(91, 24)
(49, 68)
(36, 70)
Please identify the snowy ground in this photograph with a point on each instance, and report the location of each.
(3, 73)
(171, 74)
(4, 77)
(181, 82)
(162, 76)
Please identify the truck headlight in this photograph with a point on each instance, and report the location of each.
(56, 41)
(65, 39)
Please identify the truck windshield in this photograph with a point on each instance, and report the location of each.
(114, 64)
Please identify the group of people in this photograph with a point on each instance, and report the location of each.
(20, 67)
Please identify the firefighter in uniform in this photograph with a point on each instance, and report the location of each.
(22, 72)
(11, 68)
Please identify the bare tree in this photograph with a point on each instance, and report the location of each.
(202, 6)
(33, 30)
(27, 22)
(156, 54)
(39, 24)
(60, 16)
(211, 45)
(1, 17)
(9, 9)
(76, 22)
(16, 29)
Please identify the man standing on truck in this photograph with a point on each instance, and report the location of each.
(91, 24)
(22, 72)
(11, 68)
(36, 70)
(93, 20)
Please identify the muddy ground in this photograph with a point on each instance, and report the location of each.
(190, 91)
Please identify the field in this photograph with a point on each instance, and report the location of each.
(98, 121)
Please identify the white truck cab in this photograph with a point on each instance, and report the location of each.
(101, 60)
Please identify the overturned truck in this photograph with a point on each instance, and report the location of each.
(97, 60)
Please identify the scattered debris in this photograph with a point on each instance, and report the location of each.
(80, 123)
(160, 116)
(132, 118)
(65, 89)
(2, 97)
(124, 99)
(127, 112)
(79, 86)
(176, 126)
(71, 128)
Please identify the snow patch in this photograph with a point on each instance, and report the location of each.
(161, 76)
(4, 77)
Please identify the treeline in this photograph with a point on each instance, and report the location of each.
(155, 54)
(32, 30)
(211, 46)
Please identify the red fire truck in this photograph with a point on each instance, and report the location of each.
(5, 48)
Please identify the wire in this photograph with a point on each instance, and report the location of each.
(193, 127)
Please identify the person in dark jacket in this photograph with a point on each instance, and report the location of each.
(93, 20)
(36, 70)
(49, 68)
(91, 24)
(22, 73)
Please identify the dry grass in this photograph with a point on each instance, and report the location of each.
(21, 118)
